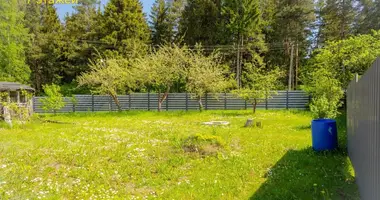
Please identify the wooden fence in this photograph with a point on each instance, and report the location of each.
(178, 101)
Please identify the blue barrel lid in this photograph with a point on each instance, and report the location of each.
(324, 120)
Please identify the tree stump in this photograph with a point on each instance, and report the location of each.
(249, 123)
(259, 124)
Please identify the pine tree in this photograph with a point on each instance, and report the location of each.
(244, 25)
(368, 16)
(161, 23)
(124, 27)
(201, 22)
(291, 26)
(13, 37)
(337, 19)
(44, 53)
(81, 39)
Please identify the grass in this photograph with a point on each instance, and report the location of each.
(146, 155)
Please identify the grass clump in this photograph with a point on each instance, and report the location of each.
(204, 144)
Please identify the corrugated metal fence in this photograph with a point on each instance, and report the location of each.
(363, 129)
(177, 101)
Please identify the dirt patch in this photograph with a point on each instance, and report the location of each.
(204, 145)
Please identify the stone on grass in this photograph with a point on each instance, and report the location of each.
(216, 123)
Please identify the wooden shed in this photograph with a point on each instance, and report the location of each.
(14, 94)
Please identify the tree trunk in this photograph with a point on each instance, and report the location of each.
(114, 97)
(200, 104)
(162, 99)
(254, 106)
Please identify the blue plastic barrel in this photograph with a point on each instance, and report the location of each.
(324, 134)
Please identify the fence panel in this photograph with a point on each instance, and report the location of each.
(363, 120)
(178, 101)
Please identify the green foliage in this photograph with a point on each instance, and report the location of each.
(54, 99)
(288, 23)
(258, 84)
(326, 92)
(169, 65)
(124, 28)
(205, 74)
(44, 52)
(368, 16)
(243, 17)
(81, 37)
(72, 88)
(337, 20)
(346, 57)
(201, 22)
(110, 76)
(13, 36)
(161, 23)
(163, 68)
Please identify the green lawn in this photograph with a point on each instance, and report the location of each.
(146, 155)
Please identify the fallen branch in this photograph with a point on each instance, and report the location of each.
(53, 121)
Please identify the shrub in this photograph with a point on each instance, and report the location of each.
(326, 93)
(54, 99)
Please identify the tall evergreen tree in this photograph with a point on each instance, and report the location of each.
(201, 22)
(245, 30)
(13, 37)
(161, 23)
(337, 19)
(44, 54)
(124, 27)
(81, 38)
(368, 16)
(291, 26)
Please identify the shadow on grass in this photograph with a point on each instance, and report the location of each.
(306, 174)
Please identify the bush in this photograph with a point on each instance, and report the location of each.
(54, 100)
(326, 94)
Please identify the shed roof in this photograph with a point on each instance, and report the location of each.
(13, 86)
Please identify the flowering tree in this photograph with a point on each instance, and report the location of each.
(110, 76)
(163, 68)
(205, 74)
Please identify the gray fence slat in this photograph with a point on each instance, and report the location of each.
(363, 119)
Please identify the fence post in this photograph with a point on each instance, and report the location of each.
(356, 77)
(187, 102)
(148, 100)
(73, 104)
(34, 104)
(206, 101)
(129, 101)
(167, 102)
(287, 99)
(245, 104)
(225, 101)
(92, 103)
(309, 101)
(266, 102)
(110, 103)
